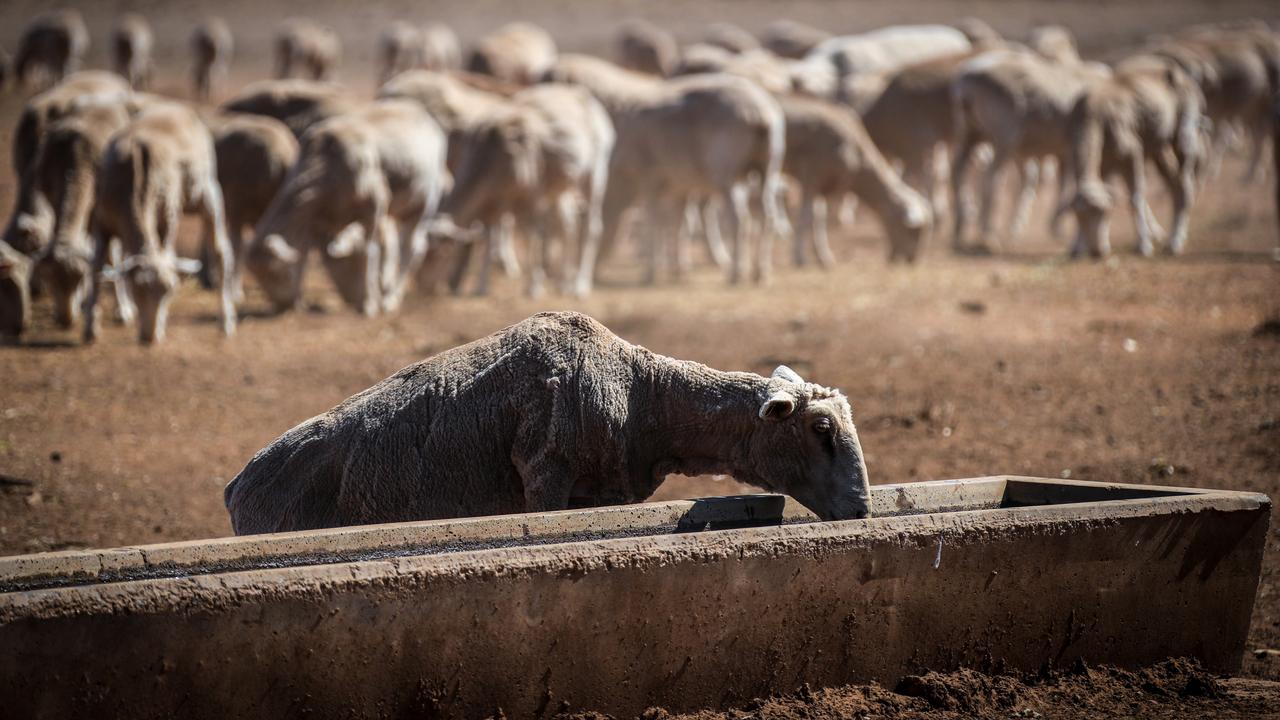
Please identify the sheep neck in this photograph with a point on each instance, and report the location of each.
(701, 421)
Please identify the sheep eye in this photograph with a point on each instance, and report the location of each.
(822, 425)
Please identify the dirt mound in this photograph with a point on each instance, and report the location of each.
(1174, 688)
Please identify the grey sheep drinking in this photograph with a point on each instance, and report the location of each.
(553, 412)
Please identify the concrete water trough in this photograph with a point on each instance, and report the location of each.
(684, 605)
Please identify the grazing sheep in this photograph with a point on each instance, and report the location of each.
(462, 109)
(15, 292)
(1020, 103)
(1054, 43)
(158, 167)
(701, 139)
(456, 105)
(759, 66)
(913, 118)
(730, 37)
(401, 49)
(791, 39)
(1150, 109)
(536, 161)
(254, 154)
(298, 104)
(647, 48)
(359, 177)
(551, 413)
(32, 219)
(51, 48)
(702, 58)
(131, 43)
(440, 48)
(64, 173)
(212, 45)
(1238, 76)
(877, 52)
(518, 52)
(830, 155)
(306, 45)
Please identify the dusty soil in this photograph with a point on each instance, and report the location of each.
(1132, 370)
(1175, 688)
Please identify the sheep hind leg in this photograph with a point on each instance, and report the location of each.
(1178, 177)
(710, 211)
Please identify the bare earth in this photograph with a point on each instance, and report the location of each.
(1132, 370)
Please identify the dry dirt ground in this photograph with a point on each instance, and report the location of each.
(1132, 370)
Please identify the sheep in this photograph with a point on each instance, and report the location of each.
(1054, 43)
(254, 153)
(31, 222)
(759, 66)
(1238, 76)
(530, 160)
(455, 104)
(791, 39)
(661, 162)
(702, 137)
(159, 166)
(212, 45)
(550, 413)
(1020, 103)
(401, 48)
(518, 52)
(730, 37)
(298, 104)
(645, 47)
(440, 48)
(1150, 109)
(979, 34)
(829, 155)
(913, 117)
(879, 51)
(462, 110)
(15, 292)
(131, 43)
(64, 174)
(51, 47)
(303, 44)
(358, 178)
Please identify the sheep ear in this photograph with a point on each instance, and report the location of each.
(282, 249)
(348, 242)
(778, 407)
(782, 372)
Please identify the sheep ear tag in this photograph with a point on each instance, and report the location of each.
(779, 406)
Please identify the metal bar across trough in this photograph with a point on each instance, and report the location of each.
(684, 605)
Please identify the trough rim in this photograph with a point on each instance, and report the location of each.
(217, 590)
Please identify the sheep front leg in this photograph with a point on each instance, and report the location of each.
(90, 307)
(821, 222)
(1029, 177)
(959, 206)
(1135, 180)
(216, 238)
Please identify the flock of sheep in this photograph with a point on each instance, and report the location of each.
(460, 154)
